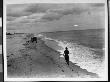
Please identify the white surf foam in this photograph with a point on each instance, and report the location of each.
(0, 49)
(83, 56)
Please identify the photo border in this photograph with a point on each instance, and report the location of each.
(57, 79)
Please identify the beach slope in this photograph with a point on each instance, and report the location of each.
(38, 60)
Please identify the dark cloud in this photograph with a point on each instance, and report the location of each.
(36, 8)
(56, 14)
(52, 16)
(44, 7)
(49, 12)
(76, 11)
(69, 11)
(17, 10)
(18, 14)
(57, 10)
(25, 9)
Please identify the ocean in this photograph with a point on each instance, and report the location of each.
(86, 47)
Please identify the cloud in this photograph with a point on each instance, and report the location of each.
(51, 11)
(40, 15)
(36, 8)
(17, 10)
(27, 9)
(69, 11)
(56, 14)
(97, 4)
(44, 7)
(18, 14)
(36, 17)
(52, 16)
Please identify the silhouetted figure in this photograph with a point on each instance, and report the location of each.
(66, 52)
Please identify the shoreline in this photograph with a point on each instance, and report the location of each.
(52, 42)
(41, 59)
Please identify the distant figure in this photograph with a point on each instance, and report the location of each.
(9, 34)
(66, 52)
(34, 39)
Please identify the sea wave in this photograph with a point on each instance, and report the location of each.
(82, 56)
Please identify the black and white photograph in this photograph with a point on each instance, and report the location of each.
(55, 40)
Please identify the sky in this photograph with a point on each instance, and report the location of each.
(47, 17)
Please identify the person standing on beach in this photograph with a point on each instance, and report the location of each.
(66, 52)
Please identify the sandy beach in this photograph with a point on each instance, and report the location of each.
(39, 60)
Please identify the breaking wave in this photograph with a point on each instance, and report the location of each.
(83, 56)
